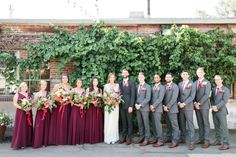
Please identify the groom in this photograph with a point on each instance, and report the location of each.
(127, 89)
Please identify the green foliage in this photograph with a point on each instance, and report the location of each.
(99, 50)
(9, 62)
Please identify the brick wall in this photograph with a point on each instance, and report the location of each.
(14, 35)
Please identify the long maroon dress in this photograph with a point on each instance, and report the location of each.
(53, 128)
(23, 127)
(63, 121)
(41, 128)
(94, 127)
(76, 126)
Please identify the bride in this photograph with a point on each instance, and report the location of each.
(111, 130)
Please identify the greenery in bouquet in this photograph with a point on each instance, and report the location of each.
(94, 98)
(62, 95)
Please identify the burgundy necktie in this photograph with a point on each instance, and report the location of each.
(140, 87)
(217, 91)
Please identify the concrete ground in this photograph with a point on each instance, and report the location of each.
(118, 150)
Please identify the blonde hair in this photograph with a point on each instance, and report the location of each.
(20, 86)
(201, 69)
(109, 76)
(218, 76)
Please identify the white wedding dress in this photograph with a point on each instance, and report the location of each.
(111, 120)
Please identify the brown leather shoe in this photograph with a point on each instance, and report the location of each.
(140, 141)
(128, 142)
(121, 141)
(153, 142)
(191, 147)
(199, 142)
(215, 143)
(145, 143)
(173, 145)
(224, 147)
(205, 145)
(158, 144)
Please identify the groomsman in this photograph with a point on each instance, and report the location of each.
(171, 108)
(127, 89)
(158, 92)
(219, 98)
(143, 97)
(202, 105)
(187, 91)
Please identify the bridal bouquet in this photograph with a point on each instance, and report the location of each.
(94, 98)
(111, 100)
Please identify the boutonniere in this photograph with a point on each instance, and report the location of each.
(202, 84)
(126, 84)
(156, 89)
(169, 88)
(188, 86)
(143, 88)
(221, 90)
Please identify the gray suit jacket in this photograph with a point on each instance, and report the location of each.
(203, 94)
(187, 95)
(157, 97)
(220, 99)
(171, 96)
(144, 96)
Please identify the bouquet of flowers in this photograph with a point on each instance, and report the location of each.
(94, 98)
(62, 95)
(80, 99)
(111, 100)
(45, 103)
(26, 105)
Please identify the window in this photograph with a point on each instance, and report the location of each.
(32, 78)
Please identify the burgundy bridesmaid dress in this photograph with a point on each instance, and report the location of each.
(62, 122)
(53, 128)
(41, 128)
(76, 126)
(94, 127)
(23, 127)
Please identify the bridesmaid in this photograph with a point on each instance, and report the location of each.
(94, 132)
(23, 128)
(111, 129)
(77, 119)
(58, 131)
(42, 119)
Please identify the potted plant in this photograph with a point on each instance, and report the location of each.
(4, 121)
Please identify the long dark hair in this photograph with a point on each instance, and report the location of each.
(91, 88)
